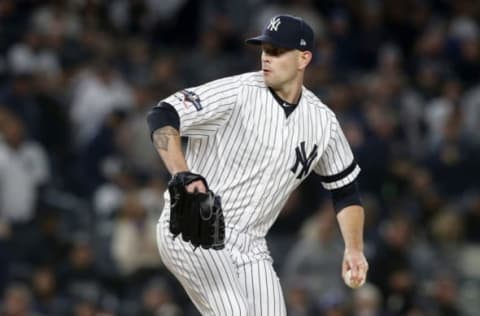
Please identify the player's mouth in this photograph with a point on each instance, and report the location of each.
(266, 71)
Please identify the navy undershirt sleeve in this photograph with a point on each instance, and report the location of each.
(162, 115)
(346, 196)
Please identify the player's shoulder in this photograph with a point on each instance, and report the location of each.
(244, 79)
(316, 104)
(253, 79)
(250, 79)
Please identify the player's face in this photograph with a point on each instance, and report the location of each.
(280, 65)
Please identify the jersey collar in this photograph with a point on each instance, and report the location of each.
(286, 106)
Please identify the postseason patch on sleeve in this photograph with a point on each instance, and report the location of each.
(190, 98)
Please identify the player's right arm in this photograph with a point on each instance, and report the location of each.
(196, 112)
(168, 144)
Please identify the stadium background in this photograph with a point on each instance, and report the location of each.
(80, 183)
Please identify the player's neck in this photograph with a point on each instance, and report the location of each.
(290, 92)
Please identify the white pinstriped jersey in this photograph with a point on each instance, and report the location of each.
(252, 154)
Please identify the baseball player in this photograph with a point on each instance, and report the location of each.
(252, 139)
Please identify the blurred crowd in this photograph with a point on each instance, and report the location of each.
(81, 186)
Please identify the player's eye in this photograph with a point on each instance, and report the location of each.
(274, 51)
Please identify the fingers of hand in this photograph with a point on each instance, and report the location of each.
(345, 267)
(351, 282)
(356, 273)
(196, 186)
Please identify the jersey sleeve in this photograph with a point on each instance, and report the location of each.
(205, 108)
(337, 166)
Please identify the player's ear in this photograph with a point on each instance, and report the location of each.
(304, 58)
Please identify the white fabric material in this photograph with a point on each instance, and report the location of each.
(254, 157)
(93, 100)
(239, 280)
(244, 145)
(21, 172)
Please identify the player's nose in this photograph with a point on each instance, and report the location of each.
(265, 58)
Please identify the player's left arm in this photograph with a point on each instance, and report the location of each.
(339, 171)
(351, 220)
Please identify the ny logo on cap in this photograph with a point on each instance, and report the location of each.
(274, 23)
(303, 42)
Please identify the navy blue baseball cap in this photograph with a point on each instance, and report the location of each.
(286, 31)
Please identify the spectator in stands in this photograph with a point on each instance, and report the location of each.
(97, 93)
(156, 300)
(313, 259)
(24, 168)
(367, 301)
(391, 269)
(134, 239)
(46, 298)
(17, 301)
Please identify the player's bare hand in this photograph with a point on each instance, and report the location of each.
(196, 186)
(356, 264)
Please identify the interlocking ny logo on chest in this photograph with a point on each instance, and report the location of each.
(302, 160)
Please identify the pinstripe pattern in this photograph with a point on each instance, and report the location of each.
(208, 276)
(336, 158)
(253, 156)
(239, 280)
(262, 286)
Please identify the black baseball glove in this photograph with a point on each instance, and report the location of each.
(197, 216)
